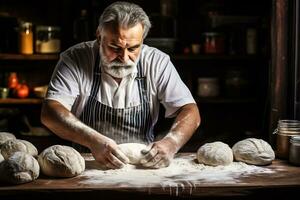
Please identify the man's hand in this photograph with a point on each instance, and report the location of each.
(159, 154)
(107, 153)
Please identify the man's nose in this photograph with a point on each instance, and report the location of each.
(124, 56)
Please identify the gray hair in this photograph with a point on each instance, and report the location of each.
(124, 14)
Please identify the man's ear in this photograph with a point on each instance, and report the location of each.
(98, 35)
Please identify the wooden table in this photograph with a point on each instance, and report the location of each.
(284, 181)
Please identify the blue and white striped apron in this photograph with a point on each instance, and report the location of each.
(123, 125)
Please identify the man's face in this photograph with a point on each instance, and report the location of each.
(120, 50)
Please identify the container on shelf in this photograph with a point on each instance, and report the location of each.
(208, 87)
(4, 92)
(294, 153)
(26, 38)
(251, 45)
(284, 131)
(47, 39)
(236, 84)
(214, 43)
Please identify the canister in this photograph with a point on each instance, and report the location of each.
(47, 39)
(213, 43)
(294, 156)
(284, 131)
(208, 87)
(26, 38)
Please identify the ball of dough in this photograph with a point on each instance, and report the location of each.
(214, 154)
(133, 152)
(19, 168)
(1, 157)
(11, 146)
(4, 136)
(61, 161)
(253, 151)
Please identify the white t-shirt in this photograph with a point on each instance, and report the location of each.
(71, 82)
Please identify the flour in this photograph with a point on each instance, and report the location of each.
(182, 171)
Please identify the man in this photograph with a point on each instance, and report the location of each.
(108, 91)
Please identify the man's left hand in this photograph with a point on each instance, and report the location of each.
(159, 154)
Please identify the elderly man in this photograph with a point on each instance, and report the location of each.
(108, 91)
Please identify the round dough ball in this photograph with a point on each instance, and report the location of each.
(253, 151)
(19, 168)
(4, 136)
(214, 154)
(1, 157)
(61, 161)
(133, 152)
(11, 146)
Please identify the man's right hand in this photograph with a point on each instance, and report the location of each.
(107, 153)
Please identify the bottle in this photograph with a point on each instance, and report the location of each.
(251, 41)
(81, 27)
(26, 38)
(13, 80)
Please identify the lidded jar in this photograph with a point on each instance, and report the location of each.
(26, 38)
(47, 39)
(285, 130)
(294, 156)
(208, 87)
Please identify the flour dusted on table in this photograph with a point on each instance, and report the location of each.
(214, 154)
(183, 169)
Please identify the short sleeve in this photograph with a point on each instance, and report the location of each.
(172, 92)
(64, 86)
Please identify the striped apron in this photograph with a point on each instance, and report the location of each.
(132, 124)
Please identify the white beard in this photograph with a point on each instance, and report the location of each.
(116, 68)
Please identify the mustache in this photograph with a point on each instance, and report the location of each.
(118, 64)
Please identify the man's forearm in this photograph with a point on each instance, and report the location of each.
(185, 124)
(64, 124)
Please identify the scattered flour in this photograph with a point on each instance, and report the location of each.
(183, 171)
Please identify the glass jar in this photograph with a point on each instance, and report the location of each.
(208, 87)
(26, 38)
(294, 156)
(47, 39)
(213, 43)
(284, 131)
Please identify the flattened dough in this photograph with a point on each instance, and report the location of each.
(133, 152)
(61, 161)
(19, 168)
(4, 136)
(214, 154)
(253, 151)
(11, 146)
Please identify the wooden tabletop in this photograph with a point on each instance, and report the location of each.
(279, 178)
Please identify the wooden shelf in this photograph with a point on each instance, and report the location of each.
(8, 56)
(217, 57)
(15, 101)
(220, 100)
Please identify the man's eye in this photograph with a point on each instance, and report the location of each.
(115, 49)
(132, 49)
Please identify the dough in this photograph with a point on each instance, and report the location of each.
(1, 157)
(253, 151)
(133, 152)
(61, 161)
(11, 146)
(4, 136)
(215, 153)
(19, 168)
